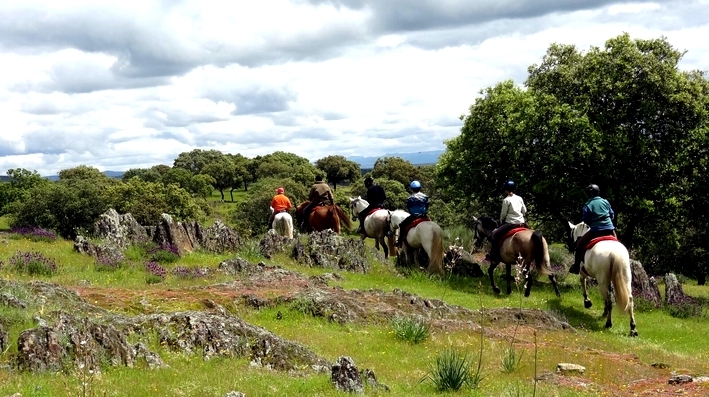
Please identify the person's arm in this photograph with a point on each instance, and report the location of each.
(611, 213)
(524, 208)
(586, 215)
(313, 195)
(503, 211)
(273, 202)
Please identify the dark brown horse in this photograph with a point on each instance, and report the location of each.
(324, 217)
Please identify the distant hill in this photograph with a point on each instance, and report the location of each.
(416, 158)
(110, 174)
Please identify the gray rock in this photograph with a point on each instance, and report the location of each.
(674, 295)
(235, 394)
(328, 249)
(680, 379)
(644, 286)
(346, 377)
(570, 369)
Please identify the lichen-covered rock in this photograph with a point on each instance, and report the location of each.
(643, 286)
(346, 377)
(119, 230)
(4, 342)
(39, 349)
(570, 369)
(330, 250)
(242, 267)
(273, 243)
(674, 295)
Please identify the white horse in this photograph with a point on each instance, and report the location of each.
(376, 225)
(283, 224)
(607, 261)
(427, 235)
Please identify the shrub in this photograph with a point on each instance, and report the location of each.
(511, 359)
(34, 233)
(451, 371)
(109, 260)
(411, 330)
(688, 308)
(165, 253)
(33, 263)
(184, 272)
(156, 273)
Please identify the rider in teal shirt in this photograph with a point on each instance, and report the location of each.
(598, 215)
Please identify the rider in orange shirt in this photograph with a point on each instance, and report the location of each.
(279, 203)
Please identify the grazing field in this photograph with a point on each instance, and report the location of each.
(616, 365)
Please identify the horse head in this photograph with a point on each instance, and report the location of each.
(358, 205)
(575, 233)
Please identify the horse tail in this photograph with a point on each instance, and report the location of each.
(541, 253)
(620, 283)
(343, 217)
(435, 259)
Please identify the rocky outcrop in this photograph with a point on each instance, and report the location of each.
(190, 236)
(644, 287)
(273, 243)
(674, 295)
(119, 230)
(330, 250)
(346, 377)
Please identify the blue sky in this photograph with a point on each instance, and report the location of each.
(133, 84)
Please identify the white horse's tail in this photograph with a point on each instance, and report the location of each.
(623, 297)
(435, 259)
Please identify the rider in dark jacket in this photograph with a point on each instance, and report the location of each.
(320, 194)
(376, 198)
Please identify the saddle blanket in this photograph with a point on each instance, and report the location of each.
(373, 211)
(416, 222)
(511, 233)
(598, 240)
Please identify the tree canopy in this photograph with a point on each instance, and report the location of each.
(623, 116)
(338, 169)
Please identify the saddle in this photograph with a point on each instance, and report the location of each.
(279, 212)
(413, 224)
(598, 240)
(509, 234)
(373, 211)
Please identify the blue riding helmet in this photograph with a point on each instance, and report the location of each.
(510, 186)
(415, 185)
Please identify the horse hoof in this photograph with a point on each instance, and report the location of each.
(609, 325)
(587, 304)
(633, 333)
(497, 290)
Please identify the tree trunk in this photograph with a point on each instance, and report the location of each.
(221, 191)
(231, 193)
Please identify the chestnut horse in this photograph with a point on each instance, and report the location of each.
(324, 217)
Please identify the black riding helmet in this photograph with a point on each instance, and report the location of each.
(510, 186)
(593, 190)
(368, 181)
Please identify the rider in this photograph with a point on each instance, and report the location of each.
(511, 216)
(417, 206)
(320, 194)
(279, 203)
(598, 215)
(376, 198)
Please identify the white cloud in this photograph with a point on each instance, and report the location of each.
(133, 84)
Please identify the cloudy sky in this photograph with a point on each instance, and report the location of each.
(119, 85)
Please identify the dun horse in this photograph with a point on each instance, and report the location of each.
(532, 247)
(427, 235)
(376, 225)
(324, 217)
(608, 262)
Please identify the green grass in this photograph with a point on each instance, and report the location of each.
(401, 365)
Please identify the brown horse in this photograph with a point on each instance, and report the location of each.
(532, 247)
(324, 217)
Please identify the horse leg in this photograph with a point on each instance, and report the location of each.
(633, 331)
(552, 278)
(607, 304)
(490, 271)
(586, 302)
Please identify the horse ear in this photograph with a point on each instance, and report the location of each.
(475, 219)
(571, 225)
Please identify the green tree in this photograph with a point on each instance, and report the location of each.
(195, 160)
(396, 169)
(338, 169)
(619, 116)
(286, 165)
(223, 171)
(19, 187)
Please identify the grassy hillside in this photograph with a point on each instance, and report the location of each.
(615, 364)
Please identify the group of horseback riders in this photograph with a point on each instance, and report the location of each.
(596, 213)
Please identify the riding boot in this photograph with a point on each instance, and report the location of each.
(576, 267)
